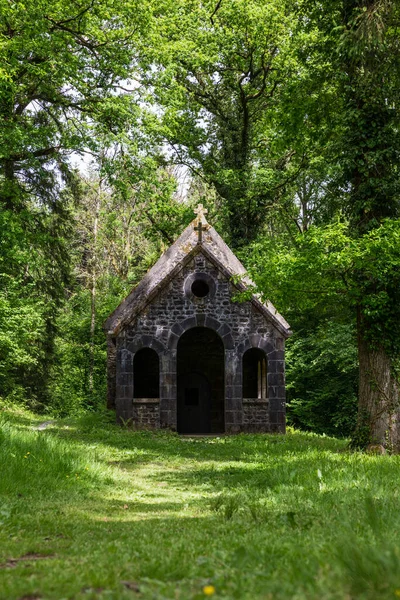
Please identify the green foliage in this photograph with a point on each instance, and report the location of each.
(69, 389)
(317, 283)
(22, 327)
(368, 60)
(285, 116)
(61, 66)
(328, 263)
(322, 374)
(147, 187)
(34, 268)
(218, 71)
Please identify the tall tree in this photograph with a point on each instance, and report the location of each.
(62, 64)
(217, 70)
(360, 47)
(369, 63)
(61, 68)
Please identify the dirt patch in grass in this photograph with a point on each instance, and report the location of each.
(131, 585)
(11, 563)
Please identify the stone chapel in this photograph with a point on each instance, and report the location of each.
(183, 354)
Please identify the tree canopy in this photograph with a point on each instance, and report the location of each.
(282, 117)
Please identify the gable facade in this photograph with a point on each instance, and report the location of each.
(184, 355)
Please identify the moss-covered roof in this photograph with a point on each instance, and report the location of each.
(169, 264)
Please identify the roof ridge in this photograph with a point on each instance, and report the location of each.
(173, 259)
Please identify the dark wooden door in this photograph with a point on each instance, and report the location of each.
(194, 404)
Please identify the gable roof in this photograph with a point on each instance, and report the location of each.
(171, 262)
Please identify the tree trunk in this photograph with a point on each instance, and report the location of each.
(378, 398)
(93, 292)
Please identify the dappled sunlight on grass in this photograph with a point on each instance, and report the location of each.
(253, 516)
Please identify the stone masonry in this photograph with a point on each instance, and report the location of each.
(163, 307)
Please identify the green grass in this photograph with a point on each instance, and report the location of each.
(88, 510)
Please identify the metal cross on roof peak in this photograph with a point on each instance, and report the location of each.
(200, 227)
(201, 221)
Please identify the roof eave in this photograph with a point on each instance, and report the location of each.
(241, 287)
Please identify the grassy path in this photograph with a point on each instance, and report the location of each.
(88, 510)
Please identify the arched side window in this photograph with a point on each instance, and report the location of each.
(254, 374)
(146, 374)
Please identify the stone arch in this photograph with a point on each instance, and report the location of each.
(256, 341)
(146, 341)
(201, 320)
(266, 345)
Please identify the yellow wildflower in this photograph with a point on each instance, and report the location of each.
(397, 593)
(209, 590)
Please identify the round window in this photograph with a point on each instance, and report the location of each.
(199, 285)
(200, 288)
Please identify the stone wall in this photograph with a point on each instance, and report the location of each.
(255, 415)
(146, 413)
(241, 326)
(111, 372)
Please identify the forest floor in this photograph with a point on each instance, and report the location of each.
(92, 511)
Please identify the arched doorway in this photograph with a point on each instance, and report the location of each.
(201, 389)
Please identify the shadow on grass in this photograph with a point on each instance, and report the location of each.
(255, 512)
(225, 448)
(255, 462)
(242, 553)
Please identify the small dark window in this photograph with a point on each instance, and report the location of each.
(254, 374)
(146, 374)
(200, 288)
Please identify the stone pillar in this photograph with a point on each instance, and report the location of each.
(276, 388)
(124, 383)
(233, 392)
(111, 371)
(168, 390)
